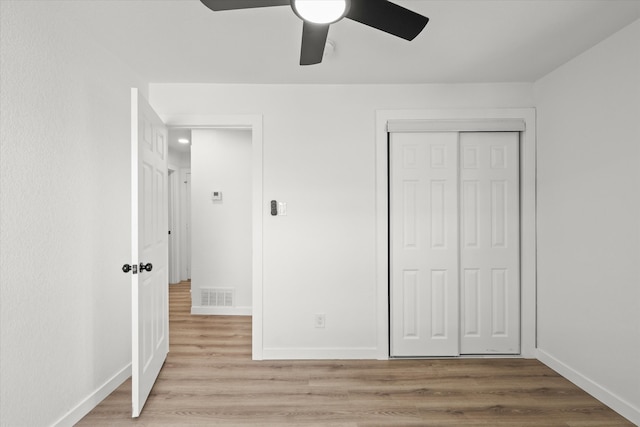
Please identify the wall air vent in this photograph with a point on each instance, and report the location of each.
(217, 297)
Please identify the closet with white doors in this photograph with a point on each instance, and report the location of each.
(454, 228)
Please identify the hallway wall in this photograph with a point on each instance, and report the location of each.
(222, 229)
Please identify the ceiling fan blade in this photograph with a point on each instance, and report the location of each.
(388, 17)
(314, 37)
(242, 4)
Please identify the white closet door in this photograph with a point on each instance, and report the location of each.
(424, 244)
(489, 243)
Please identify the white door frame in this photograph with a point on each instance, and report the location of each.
(527, 213)
(184, 262)
(253, 122)
(174, 208)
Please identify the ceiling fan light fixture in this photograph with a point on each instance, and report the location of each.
(318, 15)
(320, 11)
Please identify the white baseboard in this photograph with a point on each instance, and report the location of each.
(621, 406)
(221, 311)
(91, 401)
(319, 353)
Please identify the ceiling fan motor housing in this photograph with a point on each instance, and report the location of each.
(322, 12)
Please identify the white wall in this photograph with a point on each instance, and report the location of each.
(319, 157)
(65, 221)
(589, 220)
(179, 159)
(221, 233)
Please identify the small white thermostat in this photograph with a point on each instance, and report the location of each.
(216, 195)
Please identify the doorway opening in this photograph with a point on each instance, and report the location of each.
(215, 198)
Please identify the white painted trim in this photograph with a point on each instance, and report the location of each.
(359, 353)
(184, 262)
(618, 404)
(528, 214)
(220, 311)
(94, 399)
(173, 181)
(254, 122)
(476, 125)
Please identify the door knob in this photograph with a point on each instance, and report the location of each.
(147, 267)
(127, 268)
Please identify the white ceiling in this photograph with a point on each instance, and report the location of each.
(182, 41)
(171, 41)
(179, 133)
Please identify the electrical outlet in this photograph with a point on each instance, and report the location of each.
(319, 321)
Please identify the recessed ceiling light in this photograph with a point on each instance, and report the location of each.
(183, 141)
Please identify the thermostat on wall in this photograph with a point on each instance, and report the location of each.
(216, 195)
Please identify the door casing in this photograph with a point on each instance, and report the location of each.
(174, 220)
(253, 122)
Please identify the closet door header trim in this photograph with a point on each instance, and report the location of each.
(477, 125)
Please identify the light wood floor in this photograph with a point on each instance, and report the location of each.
(210, 379)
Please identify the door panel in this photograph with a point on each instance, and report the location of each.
(454, 237)
(150, 311)
(424, 244)
(489, 252)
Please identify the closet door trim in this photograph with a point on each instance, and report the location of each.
(480, 125)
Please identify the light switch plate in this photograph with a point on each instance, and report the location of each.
(282, 208)
(216, 195)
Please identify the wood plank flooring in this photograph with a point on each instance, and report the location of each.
(210, 379)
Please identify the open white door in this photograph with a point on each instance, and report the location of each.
(149, 247)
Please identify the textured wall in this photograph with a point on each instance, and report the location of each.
(65, 174)
(589, 217)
